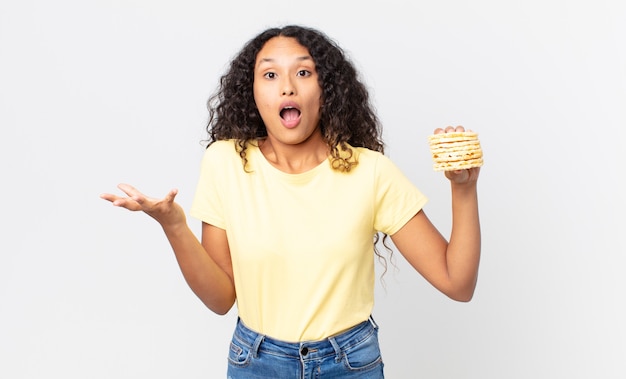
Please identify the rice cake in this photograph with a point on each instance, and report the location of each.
(455, 151)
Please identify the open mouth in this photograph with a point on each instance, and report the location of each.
(289, 113)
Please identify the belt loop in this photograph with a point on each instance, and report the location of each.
(257, 345)
(338, 351)
(374, 324)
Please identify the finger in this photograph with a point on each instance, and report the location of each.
(114, 199)
(122, 202)
(459, 129)
(133, 193)
(449, 129)
(127, 203)
(171, 195)
(439, 131)
(453, 173)
(129, 190)
(108, 197)
(457, 176)
(149, 202)
(474, 173)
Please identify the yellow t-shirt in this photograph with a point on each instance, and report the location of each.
(301, 244)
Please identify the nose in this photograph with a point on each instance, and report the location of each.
(288, 89)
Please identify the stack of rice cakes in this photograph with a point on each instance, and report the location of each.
(455, 151)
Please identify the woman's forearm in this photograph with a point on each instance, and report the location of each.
(203, 275)
(463, 252)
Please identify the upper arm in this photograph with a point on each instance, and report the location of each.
(215, 242)
(424, 248)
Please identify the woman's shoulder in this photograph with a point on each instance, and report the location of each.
(227, 154)
(222, 146)
(375, 161)
(227, 148)
(221, 151)
(368, 157)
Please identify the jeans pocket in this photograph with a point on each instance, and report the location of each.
(238, 356)
(365, 355)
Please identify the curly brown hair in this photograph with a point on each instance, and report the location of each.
(347, 116)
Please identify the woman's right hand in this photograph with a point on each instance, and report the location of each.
(165, 211)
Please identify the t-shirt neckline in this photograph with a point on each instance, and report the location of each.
(298, 178)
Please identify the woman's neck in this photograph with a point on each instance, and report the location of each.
(295, 158)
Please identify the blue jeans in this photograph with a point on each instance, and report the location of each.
(354, 353)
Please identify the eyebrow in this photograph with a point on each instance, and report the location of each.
(301, 58)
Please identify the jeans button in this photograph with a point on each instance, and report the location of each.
(304, 351)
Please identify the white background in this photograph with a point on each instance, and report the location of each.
(93, 93)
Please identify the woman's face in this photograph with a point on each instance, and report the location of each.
(287, 92)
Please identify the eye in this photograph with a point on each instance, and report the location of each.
(304, 73)
(269, 75)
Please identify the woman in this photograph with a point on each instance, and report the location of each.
(293, 191)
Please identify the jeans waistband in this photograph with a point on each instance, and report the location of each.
(307, 350)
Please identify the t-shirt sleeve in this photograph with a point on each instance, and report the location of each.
(207, 204)
(397, 200)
